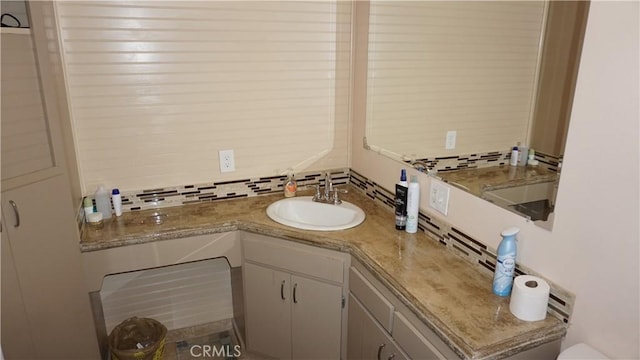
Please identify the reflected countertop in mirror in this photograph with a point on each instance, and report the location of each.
(453, 79)
(479, 180)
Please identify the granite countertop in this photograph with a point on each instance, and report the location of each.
(478, 180)
(446, 292)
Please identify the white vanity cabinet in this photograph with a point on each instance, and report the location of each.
(382, 328)
(294, 299)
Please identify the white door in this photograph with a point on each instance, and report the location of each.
(39, 223)
(316, 320)
(268, 311)
(16, 335)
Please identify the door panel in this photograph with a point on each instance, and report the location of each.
(46, 255)
(268, 315)
(317, 319)
(16, 337)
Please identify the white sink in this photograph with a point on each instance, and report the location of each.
(302, 213)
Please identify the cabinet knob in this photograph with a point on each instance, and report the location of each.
(15, 210)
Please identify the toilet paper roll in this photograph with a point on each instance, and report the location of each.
(529, 298)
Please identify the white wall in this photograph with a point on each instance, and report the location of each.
(593, 249)
(156, 89)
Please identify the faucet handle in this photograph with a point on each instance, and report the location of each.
(336, 198)
(318, 195)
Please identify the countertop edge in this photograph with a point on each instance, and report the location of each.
(496, 351)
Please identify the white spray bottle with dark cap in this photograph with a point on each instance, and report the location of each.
(505, 262)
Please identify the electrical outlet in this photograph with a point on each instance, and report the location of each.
(439, 197)
(227, 161)
(450, 142)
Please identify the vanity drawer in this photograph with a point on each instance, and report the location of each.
(320, 263)
(371, 298)
(412, 340)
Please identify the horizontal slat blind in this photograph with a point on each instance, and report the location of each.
(178, 296)
(26, 146)
(436, 66)
(157, 88)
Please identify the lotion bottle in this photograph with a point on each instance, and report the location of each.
(103, 203)
(505, 263)
(413, 205)
(401, 201)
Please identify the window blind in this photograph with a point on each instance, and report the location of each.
(438, 66)
(157, 88)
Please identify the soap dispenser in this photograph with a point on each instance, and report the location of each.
(290, 185)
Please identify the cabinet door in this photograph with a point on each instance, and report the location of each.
(16, 336)
(316, 319)
(26, 146)
(367, 339)
(46, 255)
(355, 329)
(268, 310)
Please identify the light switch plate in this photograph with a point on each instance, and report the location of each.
(439, 197)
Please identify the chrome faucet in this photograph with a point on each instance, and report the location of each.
(328, 186)
(330, 195)
(423, 166)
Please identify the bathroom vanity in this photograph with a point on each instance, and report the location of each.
(406, 291)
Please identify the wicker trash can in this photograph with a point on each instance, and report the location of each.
(138, 339)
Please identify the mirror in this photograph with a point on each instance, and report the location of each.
(453, 86)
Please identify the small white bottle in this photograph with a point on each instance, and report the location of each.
(532, 158)
(513, 161)
(88, 207)
(413, 205)
(116, 199)
(103, 203)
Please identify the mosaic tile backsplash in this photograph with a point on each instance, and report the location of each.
(223, 190)
(472, 250)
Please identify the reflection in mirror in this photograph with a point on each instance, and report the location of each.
(453, 85)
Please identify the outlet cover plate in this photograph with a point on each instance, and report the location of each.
(439, 197)
(227, 161)
(450, 142)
